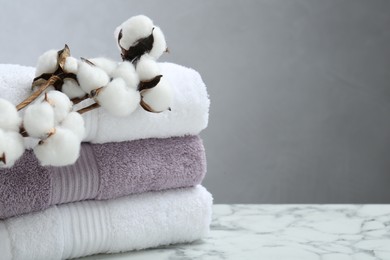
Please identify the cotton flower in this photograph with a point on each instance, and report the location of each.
(11, 148)
(71, 65)
(117, 98)
(105, 64)
(91, 77)
(60, 149)
(38, 119)
(147, 68)
(72, 89)
(47, 63)
(159, 43)
(60, 103)
(126, 71)
(138, 36)
(9, 117)
(159, 98)
(75, 123)
(134, 29)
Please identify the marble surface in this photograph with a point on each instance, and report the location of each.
(286, 232)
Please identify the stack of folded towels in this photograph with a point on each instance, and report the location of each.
(134, 186)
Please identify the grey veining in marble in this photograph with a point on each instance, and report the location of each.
(286, 232)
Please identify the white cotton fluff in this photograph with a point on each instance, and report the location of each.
(38, 119)
(105, 64)
(147, 68)
(71, 65)
(118, 99)
(159, 43)
(47, 63)
(160, 97)
(60, 103)
(12, 146)
(75, 123)
(91, 77)
(9, 117)
(126, 71)
(60, 149)
(134, 29)
(72, 89)
(116, 35)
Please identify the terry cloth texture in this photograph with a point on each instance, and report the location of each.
(91, 227)
(102, 172)
(189, 115)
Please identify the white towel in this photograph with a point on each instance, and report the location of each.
(189, 115)
(92, 227)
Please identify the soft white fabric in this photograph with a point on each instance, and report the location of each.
(189, 113)
(90, 227)
(5, 245)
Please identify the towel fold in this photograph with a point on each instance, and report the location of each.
(102, 172)
(189, 115)
(91, 227)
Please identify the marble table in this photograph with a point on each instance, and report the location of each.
(285, 232)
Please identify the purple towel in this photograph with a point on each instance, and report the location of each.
(103, 171)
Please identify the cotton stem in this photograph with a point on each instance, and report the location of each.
(37, 93)
(88, 108)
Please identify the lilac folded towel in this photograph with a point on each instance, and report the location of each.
(103, 172)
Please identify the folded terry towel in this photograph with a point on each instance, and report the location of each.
(102, 172)
(124, 224)
(189, 113)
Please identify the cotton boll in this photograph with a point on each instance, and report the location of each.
(72, 89)
(71, 65)
(38, 119)
(135, 28)
(105, 64)
(9, 117)
(60, 149)
(11, 148)
(160, 97)
(91, 77)
(61, 104)
(147, 68)
(126, 71)
(159, 43)
(117, 99)
(75, 123)
(116, 35)
(47, 63)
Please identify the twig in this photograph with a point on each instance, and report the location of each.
(78, 100)
(37, 93)
(88, 108)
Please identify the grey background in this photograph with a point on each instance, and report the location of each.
(300, 89)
